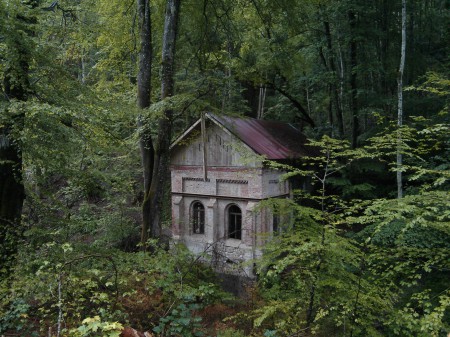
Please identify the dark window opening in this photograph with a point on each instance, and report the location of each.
(275, 223)
(198, 218)
(234, 222)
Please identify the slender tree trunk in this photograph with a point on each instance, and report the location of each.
(384, 43)
(161, 153)
(310, 314)
(143, 102)
(341, 83)
(334, 87)
(82, 75)
(261, 101)
(330, 110)
(353, 89)
(400, 103)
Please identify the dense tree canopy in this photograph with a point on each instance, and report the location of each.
(92, 93)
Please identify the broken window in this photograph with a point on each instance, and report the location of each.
(198, 218)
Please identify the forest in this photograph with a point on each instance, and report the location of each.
(93, 92)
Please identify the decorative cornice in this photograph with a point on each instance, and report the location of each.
(227, 197)
(232, 181)
(195, 179)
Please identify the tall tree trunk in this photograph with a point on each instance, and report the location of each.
(384, 43)
(143, 102)
(400, 104)
(334, 87)
(161, 154)
(353, 89)
(16, 86)
(11, 198)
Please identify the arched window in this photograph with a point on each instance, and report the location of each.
(234, 222)
(198, 218)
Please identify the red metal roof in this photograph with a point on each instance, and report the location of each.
(275, 140)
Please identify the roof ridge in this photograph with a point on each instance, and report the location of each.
(272, 139)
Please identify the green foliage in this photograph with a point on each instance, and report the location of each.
(365, 264)
(230, 332)
(94, 327)
(408, 255)
(75, 282)
(298, 264)
(14, 316)
(391, 277)
(180, 322)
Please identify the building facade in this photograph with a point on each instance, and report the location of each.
(219, 177)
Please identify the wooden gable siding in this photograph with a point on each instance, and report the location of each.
(222, 148)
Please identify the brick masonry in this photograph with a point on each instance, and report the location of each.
(235, 176)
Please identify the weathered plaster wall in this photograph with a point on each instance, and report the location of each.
(273, 184)
(223, 150)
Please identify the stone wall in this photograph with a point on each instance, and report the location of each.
(223, 188)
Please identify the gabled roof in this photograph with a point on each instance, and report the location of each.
(274, 140)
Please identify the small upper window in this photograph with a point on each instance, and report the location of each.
(234, 222)
(198, 218)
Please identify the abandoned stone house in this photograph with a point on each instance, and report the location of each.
(219, 177)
